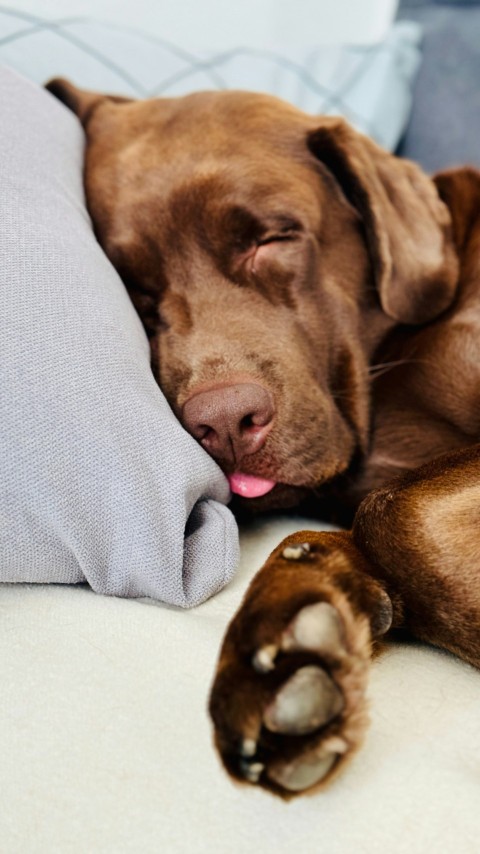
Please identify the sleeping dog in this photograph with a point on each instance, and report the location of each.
(313, 309)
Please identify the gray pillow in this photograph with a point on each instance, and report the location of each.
(98, 480)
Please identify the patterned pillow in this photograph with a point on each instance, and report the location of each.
(370, 86)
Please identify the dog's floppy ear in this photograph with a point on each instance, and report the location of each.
(81, 101)
(407, 226)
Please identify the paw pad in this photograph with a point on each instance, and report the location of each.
(307, 701)
(297, 776)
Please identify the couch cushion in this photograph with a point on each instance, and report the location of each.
(98, 480)
(444, 128)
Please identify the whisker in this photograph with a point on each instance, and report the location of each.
(375, 371)
(386, 366)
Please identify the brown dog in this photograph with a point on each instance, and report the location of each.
(313, 308)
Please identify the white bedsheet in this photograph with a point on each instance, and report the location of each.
(106, 746)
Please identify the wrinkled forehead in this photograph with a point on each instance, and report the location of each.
(212, 200)
(210, 120)
(202, 157)
(257, 135)
(262, 153)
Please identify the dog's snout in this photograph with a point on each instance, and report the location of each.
(230, 421)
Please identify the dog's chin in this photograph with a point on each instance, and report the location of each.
(281, 497)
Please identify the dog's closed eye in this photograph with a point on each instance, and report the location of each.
(272, 249)
(271, 246)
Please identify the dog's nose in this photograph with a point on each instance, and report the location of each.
(230, 421)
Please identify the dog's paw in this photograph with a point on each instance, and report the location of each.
(288, 701)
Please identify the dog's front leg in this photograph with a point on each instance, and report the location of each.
(288, 700)
(421, 536)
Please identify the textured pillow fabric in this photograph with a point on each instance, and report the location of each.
(370, 86)
(98, 480)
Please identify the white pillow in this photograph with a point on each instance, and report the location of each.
(369, 86)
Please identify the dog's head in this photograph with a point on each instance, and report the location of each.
(267, 252)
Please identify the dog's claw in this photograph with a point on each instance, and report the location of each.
(248, 747)
(296, 552)
(251, 771)
(307, 701)
(264, 658)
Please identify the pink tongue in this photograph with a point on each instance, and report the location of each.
(249, 486)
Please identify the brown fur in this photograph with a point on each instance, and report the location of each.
(261, 245)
